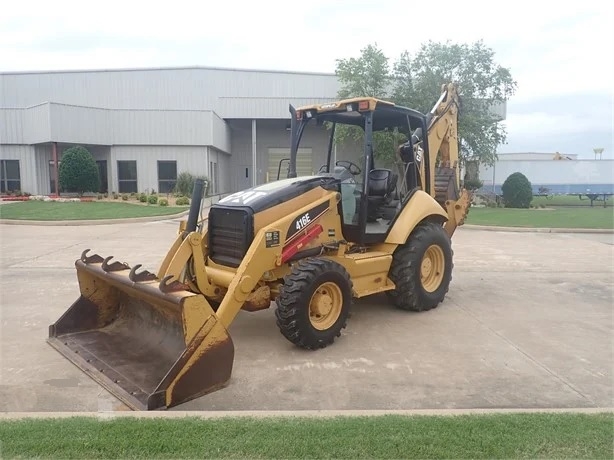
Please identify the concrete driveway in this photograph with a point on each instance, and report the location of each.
(527, 324)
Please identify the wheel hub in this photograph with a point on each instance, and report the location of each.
(432, 268)
(325, 306)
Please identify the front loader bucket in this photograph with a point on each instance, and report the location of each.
(151, 344)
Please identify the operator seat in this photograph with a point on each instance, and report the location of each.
(382, 183)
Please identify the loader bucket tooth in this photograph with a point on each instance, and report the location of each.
(114, 267)
(95, 259)
(140, 277)
(150, 349)
(174, 286)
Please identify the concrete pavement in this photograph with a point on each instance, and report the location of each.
(527, 324)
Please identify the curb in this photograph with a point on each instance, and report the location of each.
(128, 220)
(302, 413)
(493, 228)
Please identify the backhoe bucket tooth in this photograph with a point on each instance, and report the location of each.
(140, 277)
(114, 267)
(95, 259)
(150, 349)
(174, 286)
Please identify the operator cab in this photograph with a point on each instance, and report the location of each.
(372, 195)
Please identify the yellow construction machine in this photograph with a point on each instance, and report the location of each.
(309, 244)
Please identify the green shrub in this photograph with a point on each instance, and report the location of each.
(473, 184)
(143, 198)
(115, 195)
(163, 202)
(182, 201)
(517, 192)
(152, 199)
(78, 171)
(99, 196)
(185, 184)
(125, 197)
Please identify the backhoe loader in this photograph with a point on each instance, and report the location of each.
(306, 246)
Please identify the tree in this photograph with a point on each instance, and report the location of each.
(416, 82)
(517, 191)
(78, 171)
(367, 75)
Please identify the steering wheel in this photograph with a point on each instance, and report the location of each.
(350, 166)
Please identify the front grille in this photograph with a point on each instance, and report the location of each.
(230, 235)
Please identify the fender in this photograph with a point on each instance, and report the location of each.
(420, 206)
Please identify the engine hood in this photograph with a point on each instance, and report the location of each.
(271, 194)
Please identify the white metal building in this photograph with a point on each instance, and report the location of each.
(557, 172)
(145, 126)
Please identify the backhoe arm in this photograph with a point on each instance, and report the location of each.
(444, 164)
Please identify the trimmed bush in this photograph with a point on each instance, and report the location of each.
(143, 198)
(182, 201)
(473, 184)
(78, 171)
(163, 202)
(125, 197)
(517, 191)
(152, 199)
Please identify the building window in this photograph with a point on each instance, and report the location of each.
(10, 179)
(126, 174)
(213, 188)
(167, 176)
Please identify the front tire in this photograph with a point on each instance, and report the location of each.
(314, 303)
(422, 269)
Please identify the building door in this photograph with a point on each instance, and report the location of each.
(304, 163)
(244, 177)
(102, 174)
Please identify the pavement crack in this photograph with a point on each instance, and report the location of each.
(526, 355)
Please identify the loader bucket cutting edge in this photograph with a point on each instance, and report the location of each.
(150, 349)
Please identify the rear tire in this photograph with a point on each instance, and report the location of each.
(422, 269)
(314, 303)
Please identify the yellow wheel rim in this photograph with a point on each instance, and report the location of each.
(432, 268)
(325, 306)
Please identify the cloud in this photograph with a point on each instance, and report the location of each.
(553, 50)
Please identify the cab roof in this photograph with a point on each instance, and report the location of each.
(351, 111)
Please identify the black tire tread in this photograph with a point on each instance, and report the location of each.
(405, 262)
(291, 303)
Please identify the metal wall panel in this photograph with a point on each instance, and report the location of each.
(25, 126)
(187, 88)
(27, 165)
(192, 159)
(86, 125)
(264, 107)
(273, 134)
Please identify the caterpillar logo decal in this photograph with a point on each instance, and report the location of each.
(304, 220)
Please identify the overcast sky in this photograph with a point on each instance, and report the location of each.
(560, 52)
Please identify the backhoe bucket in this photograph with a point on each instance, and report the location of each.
(151, 343)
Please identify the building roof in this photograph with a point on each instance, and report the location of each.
(169, 68)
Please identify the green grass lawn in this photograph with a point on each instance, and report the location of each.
(471, 436)
(569, 200)
(40, 210)
(601, 218)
